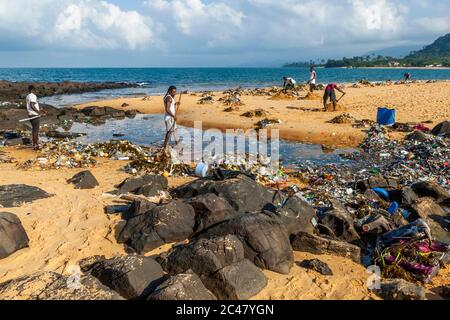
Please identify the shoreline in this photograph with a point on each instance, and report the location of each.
(303, 120)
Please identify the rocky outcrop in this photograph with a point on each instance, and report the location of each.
(84, 180)
(15, 195)
(12, 234)
(399, 289)
(147, 185)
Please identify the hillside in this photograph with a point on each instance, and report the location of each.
(436, 53)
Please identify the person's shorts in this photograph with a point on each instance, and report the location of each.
(171, 126)
(330, 95)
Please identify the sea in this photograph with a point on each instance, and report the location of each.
(154, 81)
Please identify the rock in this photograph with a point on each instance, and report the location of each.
(433, 190)
(318, 266)
(417, 136)
(147, 185)
(133, 277)
(305, 242)
(408, 196)
(242, 193)
(15, 195)
(184, 286)
(377, 182)
(221, 265)
(371, 195)
(265, 239)
(297, 216)
(210, 210)
(399, 289)
(140, 206)
(445, 292)
(12, 234)
(84, 180)
(93, 111)
(53, 286)
(17, 142)
(63, 135)
(442, 129)
(434, 215)
(164, 224)
(338, 223)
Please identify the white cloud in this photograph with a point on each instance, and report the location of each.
(89, 24)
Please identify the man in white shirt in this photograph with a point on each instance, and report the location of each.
(35, 114)
(289, 83)
(312, 79)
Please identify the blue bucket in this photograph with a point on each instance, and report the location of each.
(386, 117)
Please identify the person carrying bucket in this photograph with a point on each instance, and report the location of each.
(330, 93)
(170, 118)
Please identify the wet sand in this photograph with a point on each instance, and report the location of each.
(303, 120)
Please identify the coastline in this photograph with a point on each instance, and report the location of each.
(303, 120)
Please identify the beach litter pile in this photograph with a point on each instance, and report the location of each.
(232, 99)
(206, 100)
(257, 113)
(264, 123)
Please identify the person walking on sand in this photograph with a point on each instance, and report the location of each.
(170, 118)
(407, 76)
(289, 83)
(312, 79)
(35, 114)
(330, 93)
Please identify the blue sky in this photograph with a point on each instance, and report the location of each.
(139, 33)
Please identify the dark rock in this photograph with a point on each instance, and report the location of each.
(265, 239)
(433, 190)
(297, 216)
(12, 234)
(408, 196)
(164, 224)
(417, 136)
(445, 292)
(339, 223)
(434, 215)
(148, 185)
(399, 289)
(15, 195)
(84, 180)
(305, 242)
(140, 206)
(184, 286)
(242, 193)
(93, 111)
(17, 142)
(377, 182)
(318, 266)
(131, 113)
(64, 135)
(210, 210)
(442, 129)
(53, 286)
(221, 265)
(133, 277)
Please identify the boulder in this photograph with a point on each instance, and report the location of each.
(317, 265)
(84, 180)
(220, 262)
(433, 190)
(53, 286)
(442, 129)
(140, 206)
(93, 111)
(377, 182)
(297, 216)
(163, 224)
(12, 234)
(133, 277)
(399, 289)
(417, 136)
(15, 195)
(147, 185)
(305, 242)
(338, 223)
(210, 210)
(242, 193)
(434, 215)
(17, 142)
(265, 239)
(408, 196)
(184, 286)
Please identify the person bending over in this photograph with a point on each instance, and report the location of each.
(330, 93)
(289, 83)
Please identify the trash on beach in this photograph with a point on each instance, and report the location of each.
(266, 123)
(206, 100)
(258, 113)
(343, 118)
(386, 116)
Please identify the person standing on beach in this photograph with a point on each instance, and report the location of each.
(312, 79)
(170, 118)
(407, 76)
(35, 114)
(330, 93)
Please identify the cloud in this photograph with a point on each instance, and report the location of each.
(88, 24)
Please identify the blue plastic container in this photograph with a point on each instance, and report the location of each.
(386, 117)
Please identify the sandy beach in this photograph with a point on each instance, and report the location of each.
(304, 120)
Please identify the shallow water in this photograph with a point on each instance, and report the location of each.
(149, 130)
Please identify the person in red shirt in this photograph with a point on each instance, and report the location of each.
(330, 93)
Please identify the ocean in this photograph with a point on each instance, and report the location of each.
(156, 80)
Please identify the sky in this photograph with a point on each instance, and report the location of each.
(209, 33)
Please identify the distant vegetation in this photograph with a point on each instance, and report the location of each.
(436, 54)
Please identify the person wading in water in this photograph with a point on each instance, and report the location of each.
(170, 118)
